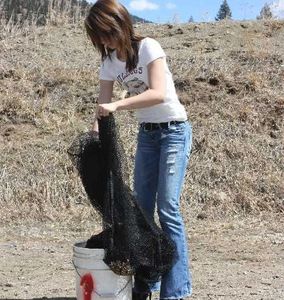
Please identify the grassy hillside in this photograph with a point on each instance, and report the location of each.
(136, 19)
(41, 12)
(229, 75)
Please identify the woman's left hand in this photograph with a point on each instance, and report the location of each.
(105, 109)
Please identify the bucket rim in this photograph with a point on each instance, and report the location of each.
(79, 248)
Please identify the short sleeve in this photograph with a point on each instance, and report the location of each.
(105, 71)
(151, 50)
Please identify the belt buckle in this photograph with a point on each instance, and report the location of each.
(172, 123)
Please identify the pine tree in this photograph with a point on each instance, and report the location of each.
(191, 20)
(224, 12)
(265, 13)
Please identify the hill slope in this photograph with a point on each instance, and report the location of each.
(139, 20)
(40, 12)
(229, 75)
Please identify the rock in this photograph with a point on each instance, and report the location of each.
(214, 81)
(179, 31)
(188, 45)
(200, 79)
(211, 49)
(182, 84)
(8, 285)
(196, 28)
(202, 216)
(273, 135)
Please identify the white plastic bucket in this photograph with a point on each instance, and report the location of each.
(94, 279)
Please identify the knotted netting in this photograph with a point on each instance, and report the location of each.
(133, 243)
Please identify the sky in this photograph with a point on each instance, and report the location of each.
(179, 11)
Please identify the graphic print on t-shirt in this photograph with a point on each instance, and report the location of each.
(134, 87)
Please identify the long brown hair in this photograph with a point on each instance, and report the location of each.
(110, 20)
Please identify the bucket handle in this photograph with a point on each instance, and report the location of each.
(106, 295)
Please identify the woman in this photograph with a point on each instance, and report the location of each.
(164, 138)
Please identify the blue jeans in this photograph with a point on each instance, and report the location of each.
(160, 165)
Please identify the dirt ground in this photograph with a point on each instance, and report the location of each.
(236, 258)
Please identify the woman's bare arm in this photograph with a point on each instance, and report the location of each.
(105, 95)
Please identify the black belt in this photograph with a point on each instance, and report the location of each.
(155, 126)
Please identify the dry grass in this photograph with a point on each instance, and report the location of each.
(228, 74)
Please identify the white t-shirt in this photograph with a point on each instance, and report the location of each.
(136, 82)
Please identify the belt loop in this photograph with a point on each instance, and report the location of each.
(143, 126)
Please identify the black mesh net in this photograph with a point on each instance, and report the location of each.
(133, 242)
